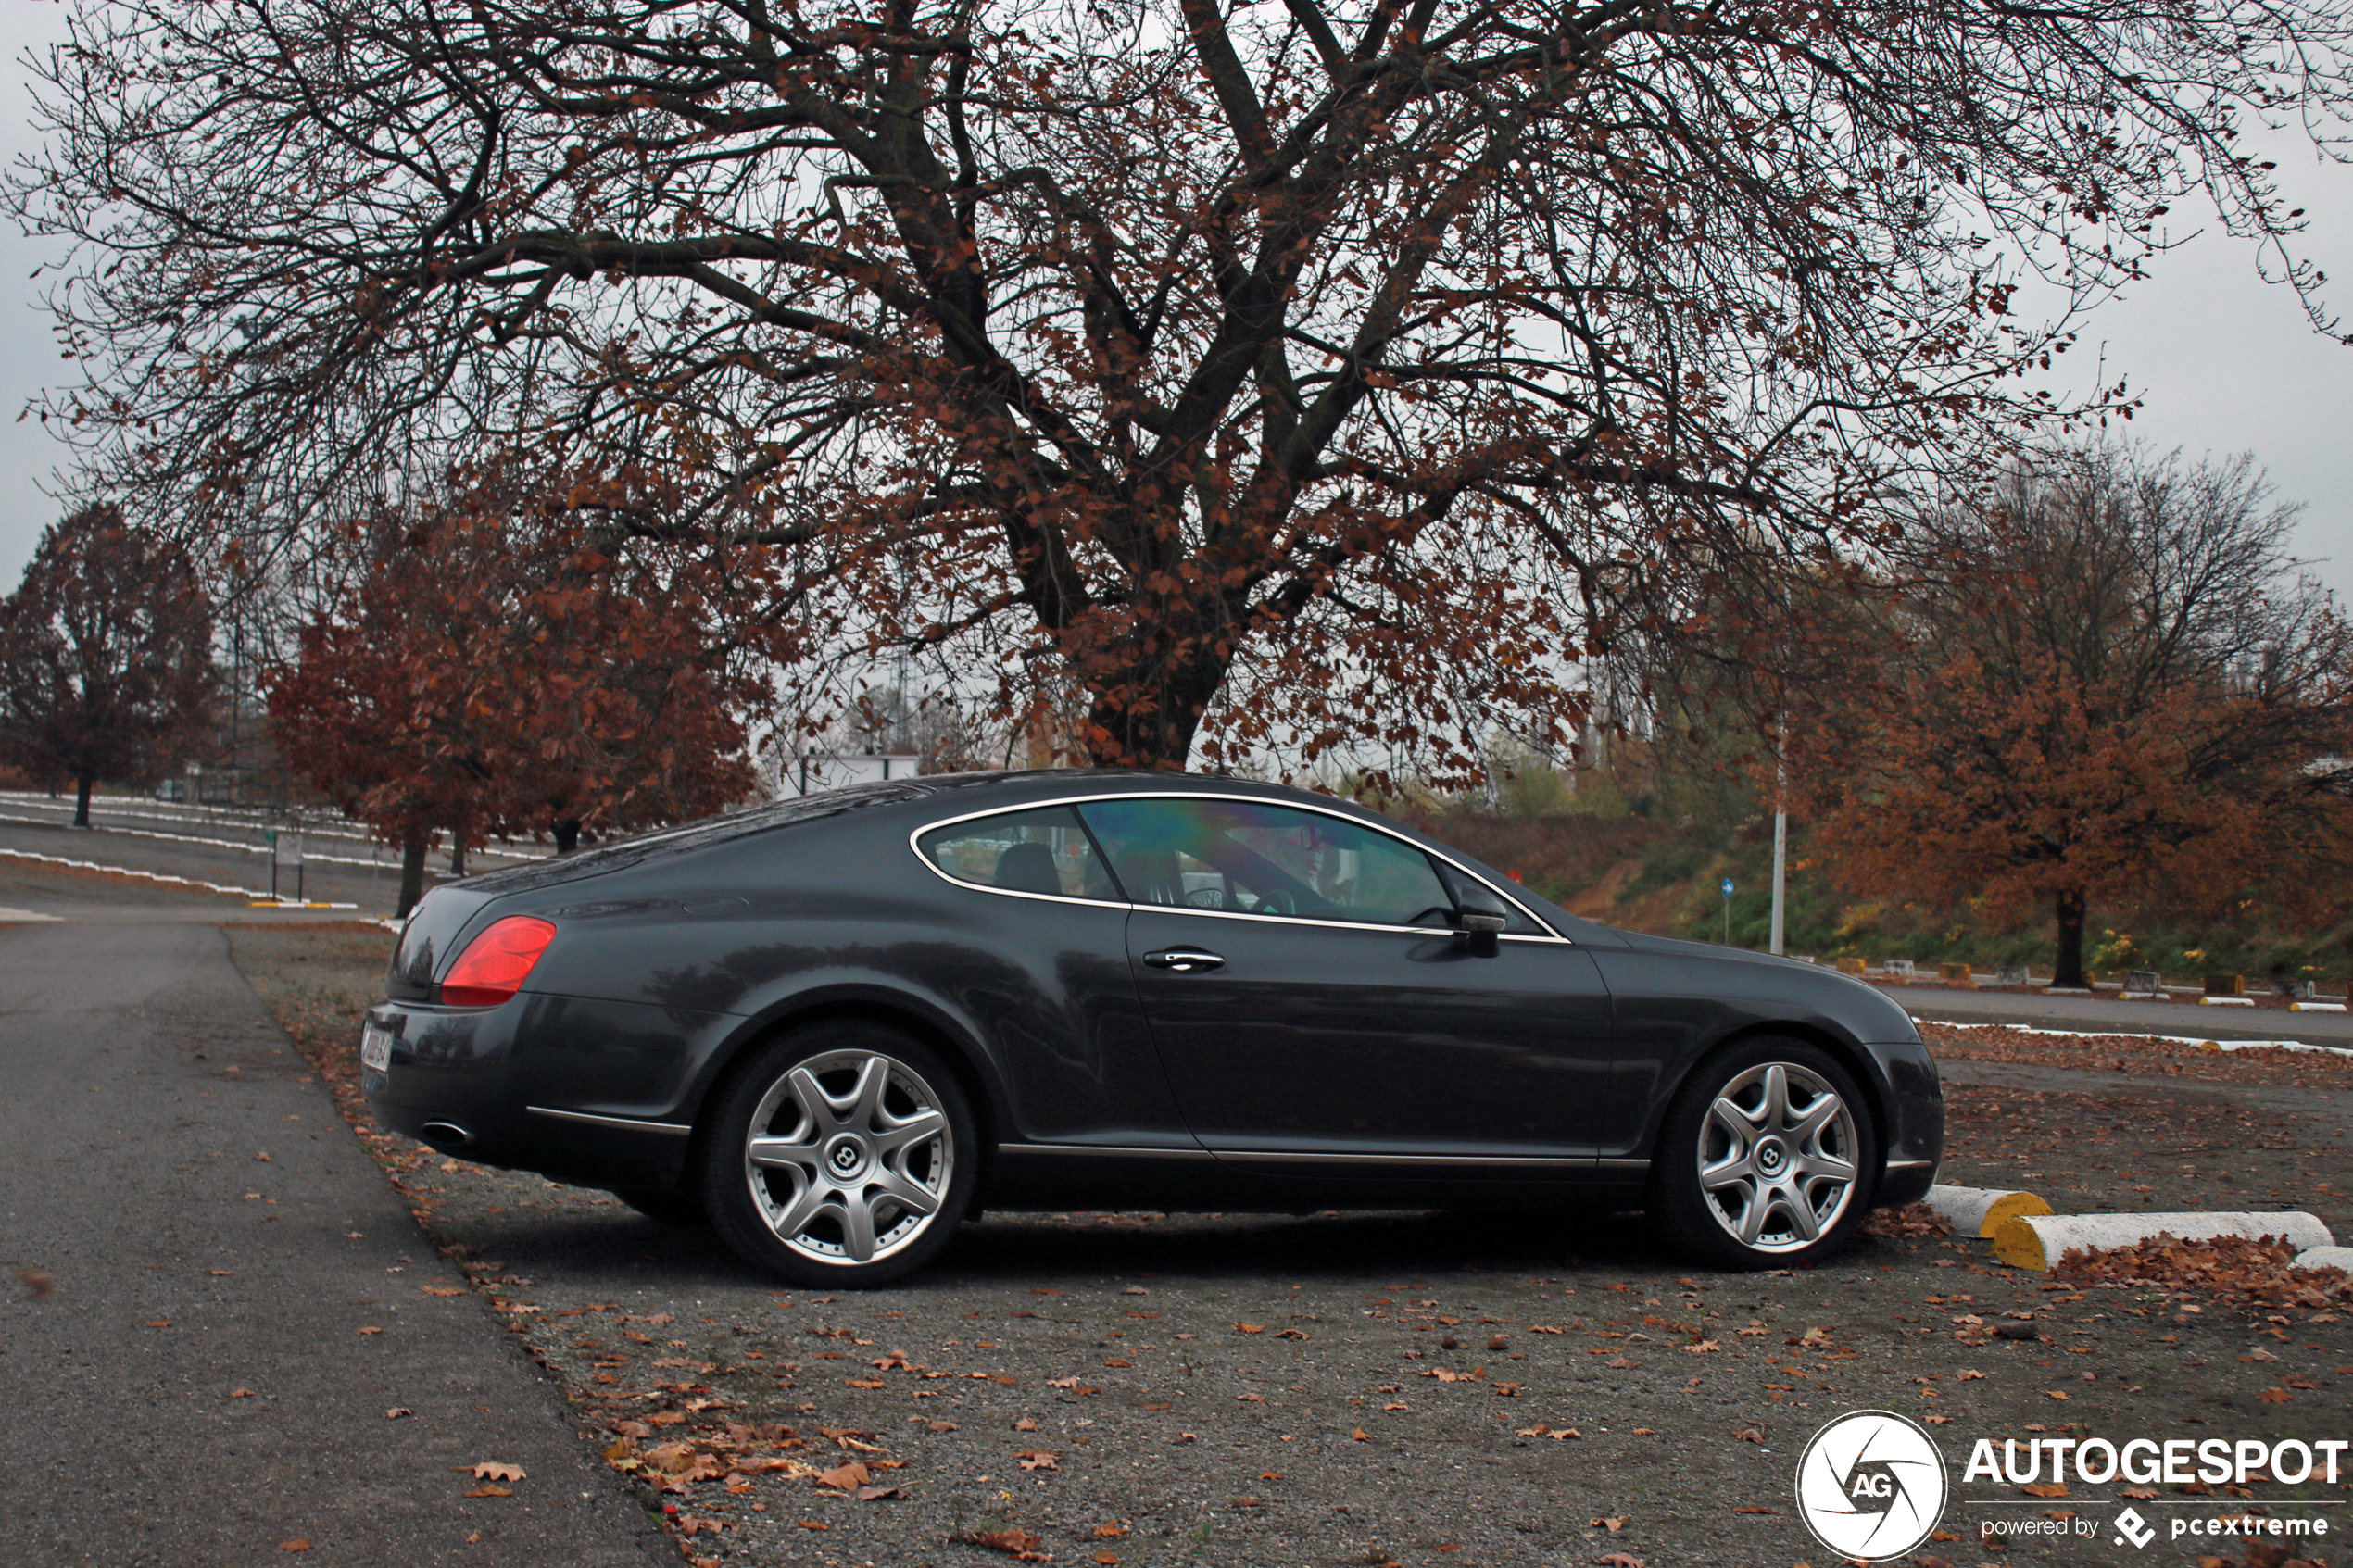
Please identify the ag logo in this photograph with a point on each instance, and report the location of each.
(1870, 1485)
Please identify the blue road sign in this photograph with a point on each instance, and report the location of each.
(1726, 887)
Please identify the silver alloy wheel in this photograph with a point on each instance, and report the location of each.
(1777, 1158)
(849, 1156)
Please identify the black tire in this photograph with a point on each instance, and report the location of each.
(851, 1153)
(1777, 1196)
(681, 1211)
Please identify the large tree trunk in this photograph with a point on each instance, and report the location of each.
(456, 855)
(1148, 698)
(567, 836)
(2070, 970)
(412, 875)
(82, 786)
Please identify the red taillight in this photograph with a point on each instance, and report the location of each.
(496, 964)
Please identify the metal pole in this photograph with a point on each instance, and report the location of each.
(1781, 828)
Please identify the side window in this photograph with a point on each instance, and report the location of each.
(1043, 851)
(1265, 859)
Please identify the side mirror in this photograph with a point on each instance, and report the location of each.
(1480, 916)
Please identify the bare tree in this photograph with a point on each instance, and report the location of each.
(1305, 376)
(106, 656)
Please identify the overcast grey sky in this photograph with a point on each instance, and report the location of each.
(2226, 363)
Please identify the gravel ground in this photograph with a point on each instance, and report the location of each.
(1409, 1388)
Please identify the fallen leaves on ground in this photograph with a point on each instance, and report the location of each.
(2140, 1055)
(1619, 1559)
(2239, 1271)
(1907, 1220)
(1039, 1458)
(298, 1544)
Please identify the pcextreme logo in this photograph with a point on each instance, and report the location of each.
(1870, 1485)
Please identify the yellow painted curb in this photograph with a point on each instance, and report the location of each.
(1980, 1211)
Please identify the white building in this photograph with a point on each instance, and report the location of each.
(812, 770)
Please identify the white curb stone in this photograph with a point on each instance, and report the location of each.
(2326, 1257)
(1980, 1211)
(2038, 1241)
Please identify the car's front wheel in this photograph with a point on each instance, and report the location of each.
(840, 1156)
(1767, 1158)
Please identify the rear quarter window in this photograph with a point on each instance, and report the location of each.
(1043, 851)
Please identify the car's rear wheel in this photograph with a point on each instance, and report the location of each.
(1767, 1158)
(840, 1156)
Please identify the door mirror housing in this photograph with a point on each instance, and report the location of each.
(1480, 916)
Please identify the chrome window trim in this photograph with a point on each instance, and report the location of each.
(673, 1129)
(916, 847)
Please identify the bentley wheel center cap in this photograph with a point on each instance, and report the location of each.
(846, 1156)
(1771, 1157)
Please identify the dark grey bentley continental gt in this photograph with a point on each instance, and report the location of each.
(835, 1026)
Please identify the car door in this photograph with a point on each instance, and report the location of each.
(1318, 1011)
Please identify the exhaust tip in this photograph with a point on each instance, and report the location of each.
(445, 1135)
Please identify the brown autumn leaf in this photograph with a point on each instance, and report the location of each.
(1359, 1435)
(845, 1477)
(397, 1413)
(2044, 1488)
(1612, 1522)
(2275, 1395)
(300, 1543)
(497, 1470)
(490, 1489)
(1756, 1510)
(38, 1283)
(2140, 1494)
(878, 1493)
(1250, 1328)
(1026, 1423)
(1012, 1540)
(1619, 1559)
(443, 1289)
(1109, 1532)
(1039, 1458)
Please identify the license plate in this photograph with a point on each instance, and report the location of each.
(376, 1047)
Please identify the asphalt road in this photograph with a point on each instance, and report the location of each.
(2100, 1013)
(210, 1298)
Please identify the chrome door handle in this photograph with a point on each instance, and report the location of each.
(1185, 961)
